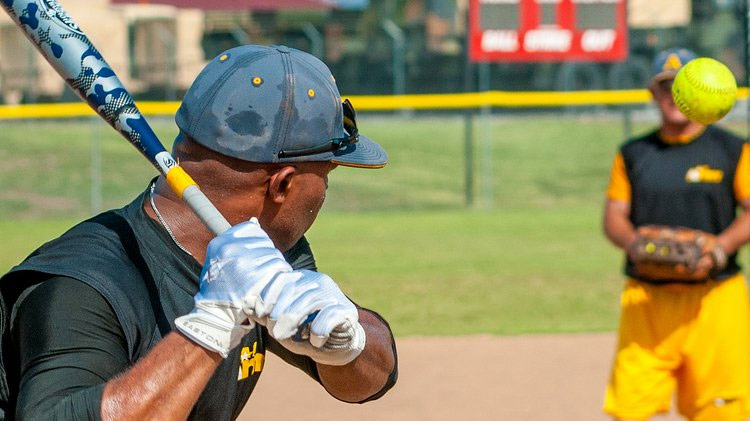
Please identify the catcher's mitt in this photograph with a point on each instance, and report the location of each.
(672, 253)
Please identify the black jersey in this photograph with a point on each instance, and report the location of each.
(140, 281)
(690, 184)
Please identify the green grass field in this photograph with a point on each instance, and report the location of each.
(399, 239)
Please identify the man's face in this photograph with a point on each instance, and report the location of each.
(662, 93)
(305, 199)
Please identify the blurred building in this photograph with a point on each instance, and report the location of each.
(158, 49)
(151, 47)
(372, 46)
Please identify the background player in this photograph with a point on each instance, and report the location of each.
(692, 337)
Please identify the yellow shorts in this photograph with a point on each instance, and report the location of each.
(692, 338)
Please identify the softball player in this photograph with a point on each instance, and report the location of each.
(118, 319)
(692, 338)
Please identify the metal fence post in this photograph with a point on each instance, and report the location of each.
(485, 74)
(469, 167)
(469, 158)
(317, 47)
(170, 64)
(398, 57)
(32, 76)
(240, 35)
(627, 122)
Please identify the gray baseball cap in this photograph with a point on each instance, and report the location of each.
(274, 104)
(667, 63)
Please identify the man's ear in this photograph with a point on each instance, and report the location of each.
(280, 183)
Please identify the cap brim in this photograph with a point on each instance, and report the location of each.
(665, 75)
(366, 153)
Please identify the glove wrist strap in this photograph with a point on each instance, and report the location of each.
(211, 332)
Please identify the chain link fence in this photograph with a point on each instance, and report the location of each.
(440, 159)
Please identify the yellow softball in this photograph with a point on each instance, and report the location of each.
(704, 90)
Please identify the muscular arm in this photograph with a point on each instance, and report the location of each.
(366, 378)
(738, 233)
(70, 354)
(163, 385)
(617, 226)
(372, 373)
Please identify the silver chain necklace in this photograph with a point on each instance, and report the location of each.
(161, 219)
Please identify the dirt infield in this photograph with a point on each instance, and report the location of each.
(550, 377)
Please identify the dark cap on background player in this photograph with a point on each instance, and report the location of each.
(274, 104)
(667, 63)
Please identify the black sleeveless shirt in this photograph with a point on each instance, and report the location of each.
(148, 281)
(689, 185)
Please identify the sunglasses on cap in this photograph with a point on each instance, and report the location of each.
(350, 126)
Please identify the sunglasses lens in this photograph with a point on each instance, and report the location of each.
(350, 122)
(350, 126)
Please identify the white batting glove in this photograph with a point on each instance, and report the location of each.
(239, 264)
(335, 335)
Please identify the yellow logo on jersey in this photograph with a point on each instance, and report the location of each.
(251, 362)
(704, 174)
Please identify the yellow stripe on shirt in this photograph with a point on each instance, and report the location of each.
(619, 184)
(742, 175)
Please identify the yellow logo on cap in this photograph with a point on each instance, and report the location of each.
(257, 81)
(311, 93)
(673, 62)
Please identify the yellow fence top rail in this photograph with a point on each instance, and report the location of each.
(383, 102)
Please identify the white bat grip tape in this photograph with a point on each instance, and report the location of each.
(205, 210)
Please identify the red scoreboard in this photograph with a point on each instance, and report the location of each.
(547, 30)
